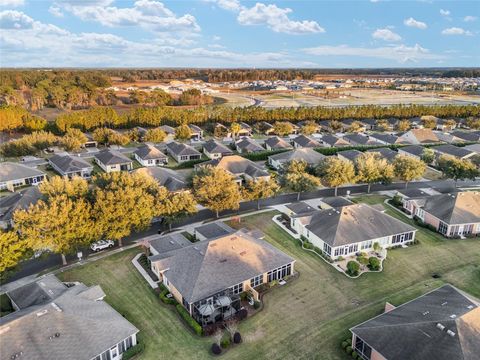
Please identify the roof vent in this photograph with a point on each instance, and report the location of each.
(16, 355)
(470, 307)
(451, 333)
(426, 313)
(41, 313)
(444, 303)
(453, 316)
(171, 242)
(56, 307)
(440, 326)
(195, 247)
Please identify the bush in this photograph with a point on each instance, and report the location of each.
(354, 355)
(397, 201)
(216, 349)
(242, 314)
(349, 349)
(165, 299)
(344, 344)
(373, 263)
(349, 341)
(362, 260)
(244, 296)
(225, 342)
(189, 320)
(340, 258)
(261, 155)
(133, 351)
(189, 164)
(237, 338)
(353, 267)
(256, 305)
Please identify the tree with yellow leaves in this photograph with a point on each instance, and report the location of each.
(216, 189)
(176, 206)
(235, 129)
(282, 128)
(155, 135)
(183, 132)
(372, 168)
(408, 168)
(309, 128)
(260, 189)
(298, 179)
(336, 172)
(12, 249)
(73, 139)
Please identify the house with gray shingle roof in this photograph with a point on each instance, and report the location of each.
(182, 152)
(196, 132)
(112, 160)
(59, 322)
(19, 200)
(13, 175)
(240, 168)
(466, 135)
(386, 153)
(452, 215)
(358, 139)
(212, 230)
(420, 136)
(277, 143)
(70, 166)
(349, 155)
(304, 141)
(415, 151)
(452, 150)
(442, 324)
(247, 145)
(149, 155)
(162, 244)
(309, 155)
(173, 180)
(329, 140)
(208, 276)
(170, 131)
(387, 139)
(214, 149)
(346, 230)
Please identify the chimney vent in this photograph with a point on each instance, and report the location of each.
(440, 326)
(451, 333)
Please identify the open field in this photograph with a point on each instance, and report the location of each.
(307, 318)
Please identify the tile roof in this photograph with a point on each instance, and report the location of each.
(13, 171)
(149, 152)
(112, 157)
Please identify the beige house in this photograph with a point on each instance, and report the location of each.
(13, 175)
(420, 136)
(111, 160)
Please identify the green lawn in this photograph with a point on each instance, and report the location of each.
(307, 318)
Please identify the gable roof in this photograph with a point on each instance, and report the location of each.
(459, 152)
(19, 200)
(181, 149)
(306, 141)
(389, 138)
(276, 142)
(149, 152)
(208, 267)
(214, 229)
(168, 129)
(214, 147)
(467, 135)
(361, 139)
(247, 144)
(416, 150)
(333, 140)
(195, 129)
(68, 163)
(423, 136)
(169, 178)
(351, 224)
(300, 207)
(166, 243)
(112, 157)
(237, 166)
(411, 330)
(13, 171)
(385, 153)
(455, 208)
(351, 155)
(310, 156)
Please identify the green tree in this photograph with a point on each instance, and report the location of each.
(216, 189)
(183, 132)
(297, 178)
(373, 263)
(457, 169)
(282, 128)
(428, 156)
(260, 189)
(12, 249)
(353, 268)
(372, 168)
(155, 135)
(408, 168)
(176, 206)
(336, 172)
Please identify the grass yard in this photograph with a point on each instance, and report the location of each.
(307, 318)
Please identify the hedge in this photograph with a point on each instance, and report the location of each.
(262, 155)
(334, 150)
(163, 296)
(133, 351)
(189, 320)
(189, 164)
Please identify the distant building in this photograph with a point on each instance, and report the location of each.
(182, 152)
(247, 145)
(329, 140)
(415, 151)
(357, 139)
(310, 156)
(349, 155)
(452, 150)
(214, 149)
(304, 141)
(172, 180)
(276, 143)
(420, 136)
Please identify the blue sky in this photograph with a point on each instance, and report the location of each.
(237, 33)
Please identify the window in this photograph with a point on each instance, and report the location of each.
(443, 228)
(257, 280)
(121, 347)
(184, 157)
(237, 289)
(114, 352)
(279, 273)
(128, 343)
(362, 348)
(367, 244)
(327, 249)
(185, 304)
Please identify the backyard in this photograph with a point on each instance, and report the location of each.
(307, 318)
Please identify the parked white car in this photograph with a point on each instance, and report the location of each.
(101, 245)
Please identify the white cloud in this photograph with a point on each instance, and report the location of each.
(12, 3)
(216, 38)
(55, 11)
(231, 5)
(386, 34)
(444, 12)
(12, 19)
(399, 53)
(470, 18)
(411, 22)
(456, 31)
(277, 19)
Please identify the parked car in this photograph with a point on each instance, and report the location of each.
(101, 245)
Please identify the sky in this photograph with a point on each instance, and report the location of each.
(239, 33)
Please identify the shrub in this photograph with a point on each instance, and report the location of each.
(133, 351)
(349, 341)
(362, 260)
(261, 155)
(237, 338)
(397, 201)
(308, 245)
(349, 349)
(165, 299)
(189, 320)
(373, 263)
(344, 344)
(216, 349)
(242, 314)
(353, 267)
(256, 305)
(340, 258)
(243, 296)
(189, 164)
(225, 342)
(354, 355)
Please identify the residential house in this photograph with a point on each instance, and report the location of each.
(388, 139)
(90, 143)
(196, 132)
(160, 244)
(420, 136)
(13, 175)
(443, 324)
(208, 276)
(415, 151)
(474, 147)
(214, 149)
(304, 141)
(246, 145)
(182, 152)
(346, 230)
(112, 160)
(309, 155)
(172, 180)
(386, 153)
(276, 143)
(329, 140)
(70, 166)
(466, 136)
(170, 131)
(443, 126)
(19, 200)
(265, 128)
(362, 140)
(455, 151)
(240, 168)
(334, 202)
(212, 230)
(149, 155)
(347, 124)
(370, 124)
(349, 155)
(452, 215)
(53, 321)
(245, 130)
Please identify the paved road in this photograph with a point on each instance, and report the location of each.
(35, 266)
